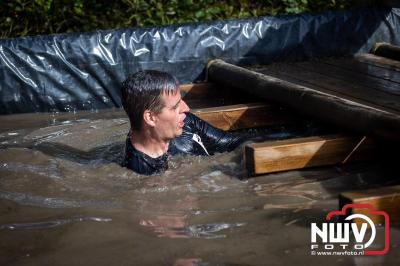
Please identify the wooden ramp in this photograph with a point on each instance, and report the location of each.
(361, 93)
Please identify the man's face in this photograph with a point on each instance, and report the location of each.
(169, 122)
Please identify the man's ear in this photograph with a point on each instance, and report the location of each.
(149, 118)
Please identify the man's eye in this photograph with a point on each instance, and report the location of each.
(176, 106)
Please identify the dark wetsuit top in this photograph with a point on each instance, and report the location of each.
(197, 138)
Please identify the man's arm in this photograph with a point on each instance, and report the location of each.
(214, 139)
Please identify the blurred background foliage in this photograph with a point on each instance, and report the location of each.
(33, 17)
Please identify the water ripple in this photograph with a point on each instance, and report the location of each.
(39, 201)
(51, 224)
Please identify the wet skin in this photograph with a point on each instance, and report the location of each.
(169, 122)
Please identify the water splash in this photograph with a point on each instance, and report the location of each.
(209, 231)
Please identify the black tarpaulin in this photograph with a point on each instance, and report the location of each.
(67, 72)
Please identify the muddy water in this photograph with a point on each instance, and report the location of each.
(64, 203)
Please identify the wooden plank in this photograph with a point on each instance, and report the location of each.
(323, 89)
(348, 112)
(383, 199)
(298, 153)
(378, 61)
(360, 67)
(203, 95)
(334, 85)
(353, 76)
(240, 116)
(386, 50)
(197, 88)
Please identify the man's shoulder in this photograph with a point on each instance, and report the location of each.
(141, 163)
(190, 117)
(193, 123)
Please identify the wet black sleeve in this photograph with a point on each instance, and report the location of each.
(214, 139)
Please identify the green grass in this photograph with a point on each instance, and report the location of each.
(32, 17)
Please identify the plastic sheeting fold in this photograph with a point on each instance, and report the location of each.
(68, 72)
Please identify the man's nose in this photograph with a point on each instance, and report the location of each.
(184, 107)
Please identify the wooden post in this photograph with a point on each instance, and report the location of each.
(383, 199)
(387, 50)
(298, 153)
(240, 116)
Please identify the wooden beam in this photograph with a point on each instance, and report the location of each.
(240, 116)
(353, 65)
(203, 95)
(340, 110)
(387, 50)
(198, 89)
(340, 84)
(383, 199)
(378, 61)
(283, 155)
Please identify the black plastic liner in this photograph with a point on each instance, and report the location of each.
(68, 72)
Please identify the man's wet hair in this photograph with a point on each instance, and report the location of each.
(142, 91)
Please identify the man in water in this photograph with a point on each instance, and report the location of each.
(161, 124)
